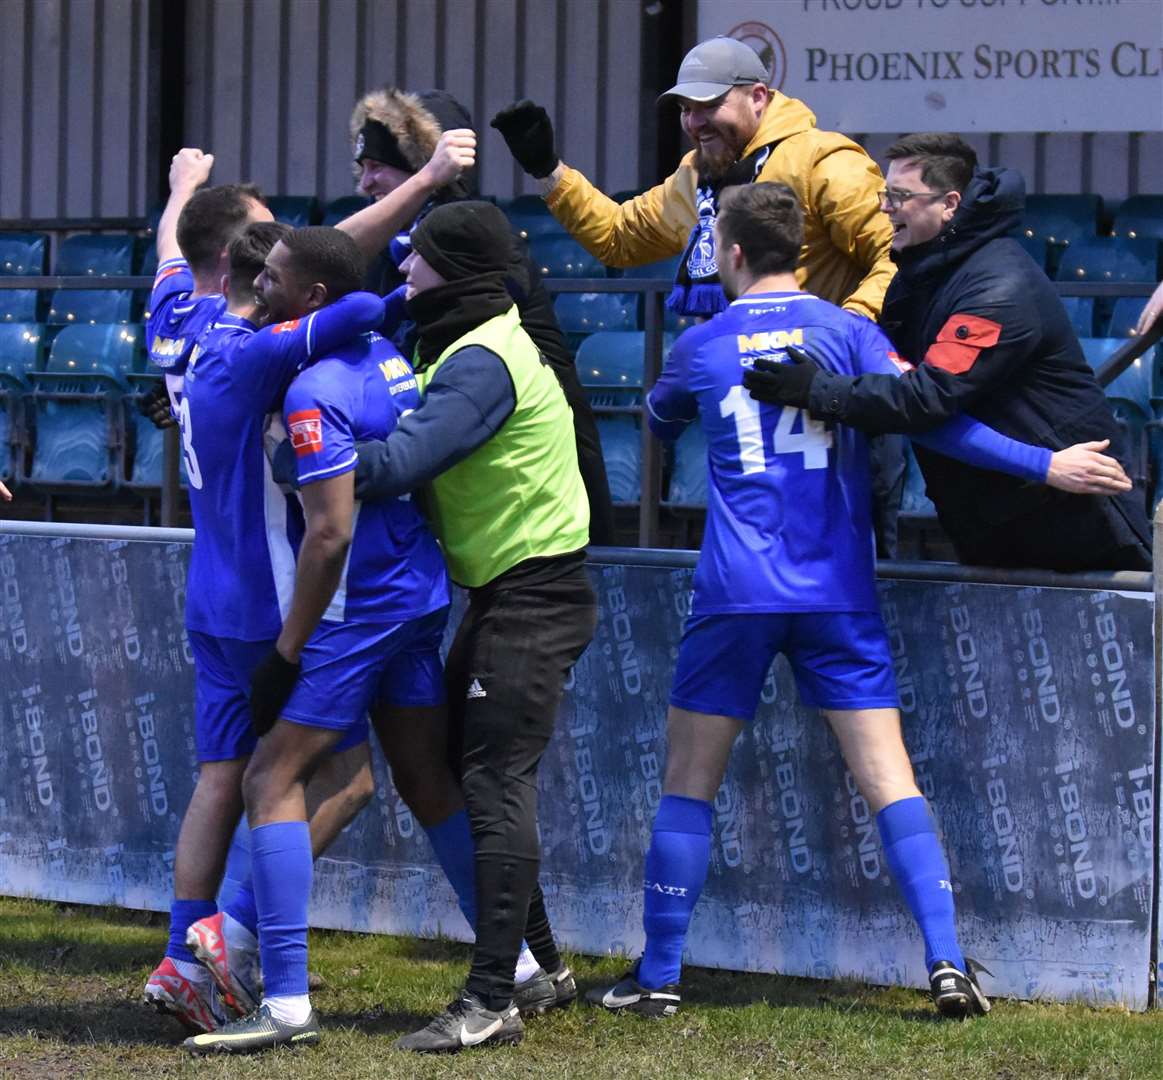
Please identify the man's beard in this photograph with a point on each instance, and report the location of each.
(714, 166)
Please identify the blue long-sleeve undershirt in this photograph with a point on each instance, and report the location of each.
(977, 444)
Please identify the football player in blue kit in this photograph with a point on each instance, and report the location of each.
(787, 565)
(363, 624)
(232, 377)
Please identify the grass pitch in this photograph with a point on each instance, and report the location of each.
(70, 980)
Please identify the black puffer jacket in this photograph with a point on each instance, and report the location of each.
(990, 337)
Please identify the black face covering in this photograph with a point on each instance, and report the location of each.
(376, 142)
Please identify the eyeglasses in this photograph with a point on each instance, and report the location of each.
(894, 200)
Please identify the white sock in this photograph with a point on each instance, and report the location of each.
(191, 970)
(527, 967)
(289, 1008)
(237, 936)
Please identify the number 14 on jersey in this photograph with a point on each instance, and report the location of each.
(813, 441)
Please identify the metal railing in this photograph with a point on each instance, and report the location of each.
(653, 291)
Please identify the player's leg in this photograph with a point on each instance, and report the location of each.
(719, 674)
(340, 788)
(843, 666)
(526, 641)
(180, 985)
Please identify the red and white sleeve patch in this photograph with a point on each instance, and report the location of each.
(169, 271)
(306, 430)
(899, 362)
(960, 341)
(287, 327)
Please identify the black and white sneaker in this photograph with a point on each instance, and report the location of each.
(628, 995)
(956, 993)
(542, 991)
(258, 1031)
(466, 1022)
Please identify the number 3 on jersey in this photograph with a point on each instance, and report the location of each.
(813, 442)
(193, 472)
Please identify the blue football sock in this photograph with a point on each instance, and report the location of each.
(238, 878)
(183, 913)
(922, 875)
(243, 908)
(281, 861)
(676, 868)
(452, 841)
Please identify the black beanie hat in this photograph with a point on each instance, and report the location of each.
(465, 239)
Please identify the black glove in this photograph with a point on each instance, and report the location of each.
(782, 384)
(529, 135)
(270, 687)
(154, 405)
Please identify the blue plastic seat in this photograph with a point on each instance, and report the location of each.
(562, 256)
(1080, 309)
(1062, 219)
(294, 210)
(622, 452)
(69, 307)
(688, 480)
(342, 208)
(99, 255)
(21, 255)
(1139, 217)
(612, 364)
(1133, 385)
(586, 313)
(78, 406)
(148, 446)
(1110, 258)
(1125, 315)
(21, 352)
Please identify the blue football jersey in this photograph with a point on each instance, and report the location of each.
(394, 570)
(242, 568)
(789, 503)
(175, 321)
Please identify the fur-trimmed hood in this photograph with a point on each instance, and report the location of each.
(415, 121)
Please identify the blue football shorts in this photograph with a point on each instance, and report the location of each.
(348, 666)
(840, 660)
(222, 671)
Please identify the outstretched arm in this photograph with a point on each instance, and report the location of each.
(373, 227)
(189, 170)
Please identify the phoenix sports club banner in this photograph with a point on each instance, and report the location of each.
(958, 65)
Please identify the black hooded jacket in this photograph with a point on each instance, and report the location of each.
(989, 336)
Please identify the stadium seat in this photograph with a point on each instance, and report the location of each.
(612, 363)
(580, 314)
(21, 255)
(1140, 217)
(622, 452)
(78, 407)
(97, 255)
(1062, 219)
(667, 270)
(1110, 258)
(294, 210)
(1036, 248)
(89, 306)
(530, 217)
(343, 207)
(1080, 309)
(145, 468)
(562, 256)
(21, 351)
(1125, 315)
(688, 480)
(1133, 385)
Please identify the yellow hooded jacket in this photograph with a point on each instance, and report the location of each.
(845, 257)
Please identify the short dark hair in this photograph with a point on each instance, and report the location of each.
(211, 219)
(329, 256)
(766, 221)
(248, 253)
(947, 161)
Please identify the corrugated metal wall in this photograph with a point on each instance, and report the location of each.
(270, 85)
(73, 108)
(272, 82)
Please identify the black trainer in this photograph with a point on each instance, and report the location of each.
(542, 991)
(466, 1022)
(956, 993)
(628, 995)
(258, 1031)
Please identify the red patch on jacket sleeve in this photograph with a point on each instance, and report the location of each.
(306, 430)
(286, 327)
(960, 341)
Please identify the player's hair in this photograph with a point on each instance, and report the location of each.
(211, 219)
(322, 254)
(766, 221)
(248, 252)
(947, 161)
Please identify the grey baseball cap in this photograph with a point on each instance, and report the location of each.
(712, 67)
